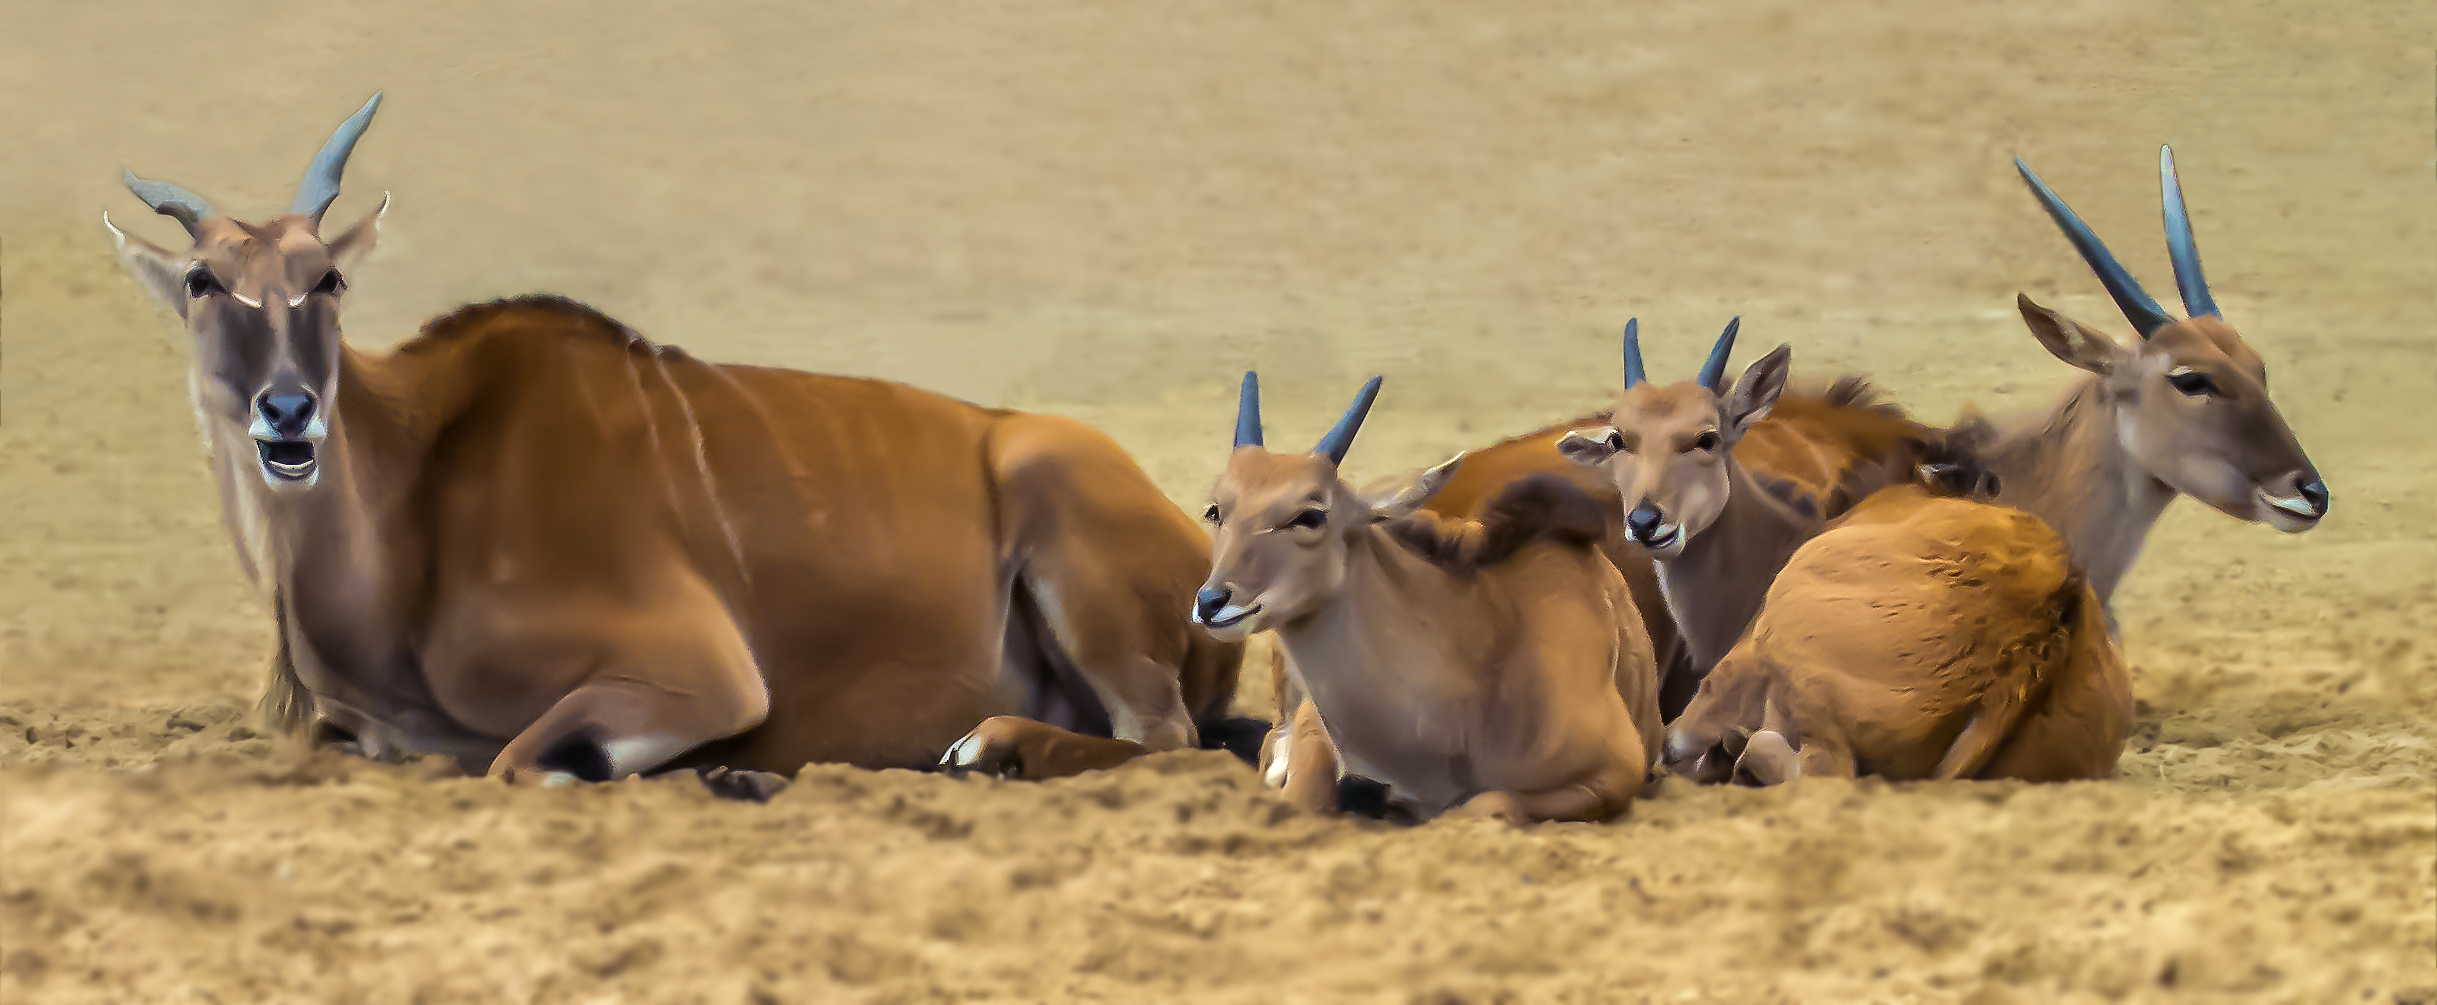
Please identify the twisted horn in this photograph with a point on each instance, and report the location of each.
(320, 187)
(1341, 436)
(1715, 370)
(2179, 245)
(2137, 306)
(170, 201)
(1248, 413)
(1633, 352)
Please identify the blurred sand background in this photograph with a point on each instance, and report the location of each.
(1109, 211)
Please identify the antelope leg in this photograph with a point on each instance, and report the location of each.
(616, 725)
(1015, 747)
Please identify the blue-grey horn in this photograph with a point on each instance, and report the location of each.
(320, 187)
(1715, 370)
(1248, 412)
(2137, 306)
(1633, 352)
(169, 200)
(2179, 245)
(1341, 436)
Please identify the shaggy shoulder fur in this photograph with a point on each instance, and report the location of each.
(1542, 507)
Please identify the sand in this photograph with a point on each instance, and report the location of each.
(1109, 211)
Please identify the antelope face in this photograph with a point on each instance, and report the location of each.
(1279, 525)
(2191, 400)
(1670, 448)
(261, 303)
(2192, 410)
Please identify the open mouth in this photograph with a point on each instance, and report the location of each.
(1231, 616)
(286, 460)
(2290, 514)
(1665, 539)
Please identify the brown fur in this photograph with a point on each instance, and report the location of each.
(1500, 667)
(532, 539)
(1540, 507)
(1922, 636)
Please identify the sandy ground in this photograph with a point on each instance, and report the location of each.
(1108, 211)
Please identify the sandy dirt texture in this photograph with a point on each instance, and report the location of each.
(1109, 211)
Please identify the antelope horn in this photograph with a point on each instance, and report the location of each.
(1715, 370)
(2179, 244)
(1248, 413)
(1633, 352)
(1341, 436)
(2137, 306)
(170, 201)
(320, 187)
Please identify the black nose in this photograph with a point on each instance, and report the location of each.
(286, 414)
(2314, 492)
(1206, 604)
(1642, 522)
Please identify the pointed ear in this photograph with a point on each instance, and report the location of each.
(160, 271)
(350, 248)
(1590, 447)
(1398, 501)
(2072, 341)
(1756, 391)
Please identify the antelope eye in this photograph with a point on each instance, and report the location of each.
(200, 283)
(1708, 440)
(331, 284)
(2191, 382)
(1310, 519)
(1619, 442)
(1211, 515)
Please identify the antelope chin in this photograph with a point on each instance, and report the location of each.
(289, 465)
(2289, 514)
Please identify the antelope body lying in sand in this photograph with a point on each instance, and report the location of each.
(532, 539)
(1496, 665)
(1919, 638)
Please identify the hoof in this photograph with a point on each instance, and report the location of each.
(747, 786)
(1238, 735)
(1362, 797)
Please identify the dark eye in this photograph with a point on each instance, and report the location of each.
(1619, 442)
(330, 284)
(1310, 519)
(1211, 515)
(1708, 440)
(2191, 382)
(199, 282)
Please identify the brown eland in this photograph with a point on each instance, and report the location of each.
(534, 540)
(1495, 665)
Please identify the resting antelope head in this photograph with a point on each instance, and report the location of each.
(261, 302)
(2190, 398)
(1283, 524)
(1670, 448)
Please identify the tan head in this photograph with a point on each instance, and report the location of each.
(262, 303)
(2191, 399)
(1670, 448)
(1282, 523)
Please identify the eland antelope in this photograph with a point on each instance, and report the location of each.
(530, 538)
(1497, 665)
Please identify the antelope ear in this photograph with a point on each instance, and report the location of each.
(160, 271)
(1588, 447)
(1399, 501)
(2072, 341)
(350, 248)
(1756, 391)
